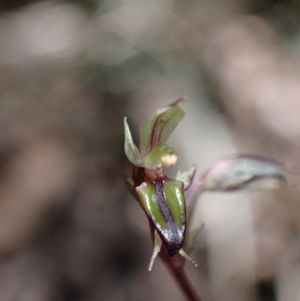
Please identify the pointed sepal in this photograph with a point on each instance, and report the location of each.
(187, 257)
(187, 177)
(131, 151)
(156, 250)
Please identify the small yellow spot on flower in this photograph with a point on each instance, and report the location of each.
(169, 160)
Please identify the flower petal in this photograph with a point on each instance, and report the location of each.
(160, 155)
(158, 129)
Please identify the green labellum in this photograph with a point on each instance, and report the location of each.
(164, 203)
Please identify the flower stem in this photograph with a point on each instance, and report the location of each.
(175, 265)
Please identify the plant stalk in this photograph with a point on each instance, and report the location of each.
(175, 265)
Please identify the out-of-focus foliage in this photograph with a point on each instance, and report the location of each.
(242, 172)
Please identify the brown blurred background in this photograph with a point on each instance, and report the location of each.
(69, 72)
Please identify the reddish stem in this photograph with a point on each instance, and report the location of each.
(175, 266)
